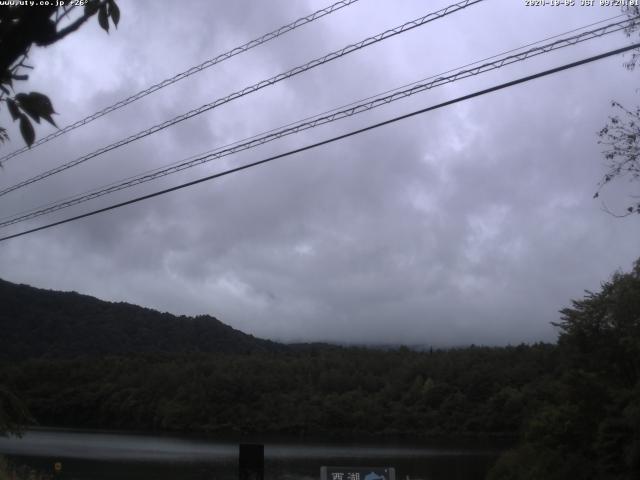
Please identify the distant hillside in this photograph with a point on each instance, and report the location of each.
(45, 323)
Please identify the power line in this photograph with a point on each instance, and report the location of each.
(333, 139)
(317, 115)
(87, 192)
(158, 172)
(187, 73)
(321, 119)
(250, 89)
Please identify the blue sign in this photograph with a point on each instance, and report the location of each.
(357, 473)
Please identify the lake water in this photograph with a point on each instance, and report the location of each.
(101, 456)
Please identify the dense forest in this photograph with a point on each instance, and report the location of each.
(588, 425)
(44, 323)
(341, 391)
(574, 405)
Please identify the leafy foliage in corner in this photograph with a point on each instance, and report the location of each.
(588, 427)
(621, 135)
(622, 139)
(632, 11)
(21, 27)
(14, 414)
(9, 471)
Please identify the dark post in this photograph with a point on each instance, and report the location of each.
(251, 462)
(57, 470)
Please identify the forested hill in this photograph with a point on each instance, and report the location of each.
(45, 323)
(575, 404)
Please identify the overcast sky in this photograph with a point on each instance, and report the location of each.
(470, 224)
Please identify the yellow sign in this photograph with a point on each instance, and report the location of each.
(57, 467)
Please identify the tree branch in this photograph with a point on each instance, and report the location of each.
(75, 25)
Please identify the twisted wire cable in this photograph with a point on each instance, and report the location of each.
(336, 114)
(250, 89)
(187, 73)
(329, 140)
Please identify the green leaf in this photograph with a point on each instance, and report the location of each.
(37, 106)
(27, 107)
(48, 118)
(103, 18)
(26, 129)
(13, 109)
(114, 12)
(91, 7)
(42, 101)
(43, 105)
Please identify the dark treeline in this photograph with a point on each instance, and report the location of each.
(338, 391)
(44, 323)
(587, 425)
(575, 405)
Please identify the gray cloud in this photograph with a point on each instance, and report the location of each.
(471, 224)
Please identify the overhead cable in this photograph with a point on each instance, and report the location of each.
(187, 73)
(250, 89)
(352, 109)
(330, 140)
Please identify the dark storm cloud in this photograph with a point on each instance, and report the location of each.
(471, 224)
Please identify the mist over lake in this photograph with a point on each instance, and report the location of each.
(89, 455)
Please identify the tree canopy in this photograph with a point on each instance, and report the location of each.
(621, 134)
(22, 27)
(588, 426)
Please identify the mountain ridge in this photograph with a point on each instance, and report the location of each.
(42, 323)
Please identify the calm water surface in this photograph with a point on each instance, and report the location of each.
(102, 456)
